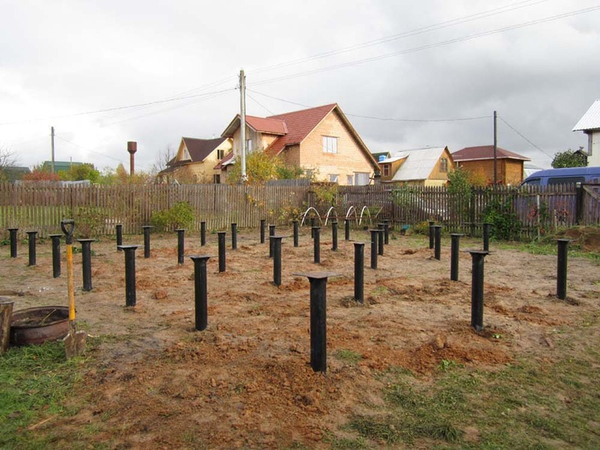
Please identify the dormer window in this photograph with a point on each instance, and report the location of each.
(386, 170)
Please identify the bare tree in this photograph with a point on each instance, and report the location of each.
(163, 159)
(7, 159)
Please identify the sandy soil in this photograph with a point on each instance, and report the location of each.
(246, 381)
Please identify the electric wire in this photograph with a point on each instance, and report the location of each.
(520, 134)
(118, 108)
(405, 34)
(427, 46)
(86, 149)
(389, 119)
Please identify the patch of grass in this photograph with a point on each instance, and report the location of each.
(336, 443)
(377, 430)
(348, 356)
(35, 382)
(526, 404)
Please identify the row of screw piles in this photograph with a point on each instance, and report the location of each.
(317, 280)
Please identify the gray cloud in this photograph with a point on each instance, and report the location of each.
(64, 58)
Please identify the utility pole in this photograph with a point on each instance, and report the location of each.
(495, 149)
(52, 140)
(243, 123)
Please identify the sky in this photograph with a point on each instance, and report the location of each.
(407, 74)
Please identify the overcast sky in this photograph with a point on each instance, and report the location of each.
(107, 72)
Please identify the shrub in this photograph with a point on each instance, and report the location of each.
(180, 215)
(505, 221)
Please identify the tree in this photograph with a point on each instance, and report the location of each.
(40, 174)
(80, 172)
(163, 158)
(569, 158)
(7, 159)
(261, 168)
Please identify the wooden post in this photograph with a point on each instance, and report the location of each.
(6, 308)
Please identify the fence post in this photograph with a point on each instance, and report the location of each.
(579, 196)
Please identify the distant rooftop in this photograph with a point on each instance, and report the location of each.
(590, 120)
(484, 152)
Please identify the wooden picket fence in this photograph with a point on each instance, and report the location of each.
(41, 206)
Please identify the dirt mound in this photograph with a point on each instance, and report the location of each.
(588, 238)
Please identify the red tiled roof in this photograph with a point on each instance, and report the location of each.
(485, 152)
(267, 125)
(299, 125)
(228, 157)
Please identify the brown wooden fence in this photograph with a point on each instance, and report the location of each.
(537, 209)
(42, 207)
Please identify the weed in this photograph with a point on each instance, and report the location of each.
(371, 428)
(35, 380)
(348, 356)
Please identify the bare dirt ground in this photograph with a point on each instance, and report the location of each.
(246, 381)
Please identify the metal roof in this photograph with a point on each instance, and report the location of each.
(418, 165)
(591, 119)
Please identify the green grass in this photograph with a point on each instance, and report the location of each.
(34, 382)
(348, 356)
(527, 404)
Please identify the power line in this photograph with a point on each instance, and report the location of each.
(118, 108)
(167, 109)
(378, 118)
(87, 149)
(260, 104)
(410, 33)
(429, 46)
(520, 134)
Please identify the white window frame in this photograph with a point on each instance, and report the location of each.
(334, 178)
(444, 165)
(330, 144)
(350, 180)
(361, 176)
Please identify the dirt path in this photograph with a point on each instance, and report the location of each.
(246, 381)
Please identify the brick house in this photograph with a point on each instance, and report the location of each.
(423, 166)
(479, 163)
(320, 140)
(195, 161)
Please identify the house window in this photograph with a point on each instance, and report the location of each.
(361, 178)
(249, 146)
(349, 180)
(386, 170)
(330, 144)
(333, 177)
(216, 178)
(443, 164)
(220, 154)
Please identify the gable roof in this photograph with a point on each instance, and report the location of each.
(299, 124)
(199, 149)
(261, 124)
(418, 165)
(294, 127)
(590, 120)
(484, 152)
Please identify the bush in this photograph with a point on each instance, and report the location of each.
(505, 222)
(181, 215)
